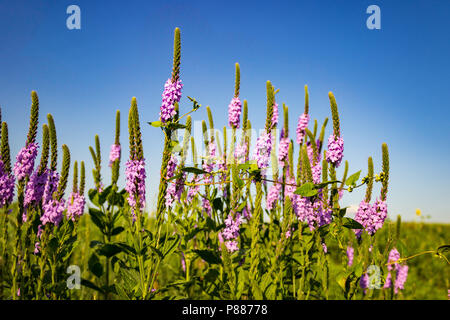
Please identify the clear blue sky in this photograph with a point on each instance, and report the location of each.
(391, 85)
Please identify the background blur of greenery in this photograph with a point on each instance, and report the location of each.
(428, 276)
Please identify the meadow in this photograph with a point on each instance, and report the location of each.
(243, 222)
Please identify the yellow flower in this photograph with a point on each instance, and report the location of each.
(418, 212)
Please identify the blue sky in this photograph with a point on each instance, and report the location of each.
(391, 85)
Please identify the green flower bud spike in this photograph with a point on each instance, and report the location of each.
(64, 173)
(385, 181)
(53, 143)
(176, 55)
(34, 118)
(270, 102)
(5, 152)
(369, 180)
(335, 115)
(82, 178)
(137, 130)
(75, 177)
(132, 141)
(237, 82)
(45, 149)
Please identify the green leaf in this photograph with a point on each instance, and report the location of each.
(95, 266)
(121, 292)
(90, 285)
(93, 196)
(97, 218)
(209, 256)
(171, 245)
(217, 204)
(117, 231)
(324, 184)
(193, 170)
(351, 224)
(353, 178)
(155, 124)
(95, 243)
(109, 250)
(306, 190)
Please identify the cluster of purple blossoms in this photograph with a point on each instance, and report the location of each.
(193, 189)
(114, 154)
(206, 206)
(35, 188)
(350, 255)
(175, 190)
(262, 150)
(272, 195)
(301, 126)
(171, 166)
(25, 161)
(53, 212)
(51, 185)
(135, 186)
(37, 247)
(240, 153)
(171, 94)
(371, 217)
(75, 205)
(312, 212)
(290, 186)
(6, 186)
(208, 165)
(274, 115)
(231, 232)
(234, 112)
(283, 149)
(401, 272)
(335, 151)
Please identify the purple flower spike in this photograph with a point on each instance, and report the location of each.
(6, 186)
(301, 126)
(114, 154)
(274, 115)
(262, 150)
(53, 212)
(135, 186)
(234, 112)
(171, 94)
(350, 254)
(75, 206)
(35, 188)
(25, 161)
(335, 151)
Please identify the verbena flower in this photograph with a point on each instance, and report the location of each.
(35, 188)
(193, 190)
(135, 186)
(350, 255)
(208, 164)
(273, 195)
(371, 217)
(53, 212)
(25, 161)
(171, 94)
(75, 205)
(7, 183)
(171, 165)
(234, 112)
(401, 272)
(274, 115)
(231, 232)
(175, 190)
(51, 185)
(335, 151)
(262, 150)
(283, 149)
(206, 206)
(301, 126)
(240, 153)
(114, 154)
(37, 248)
